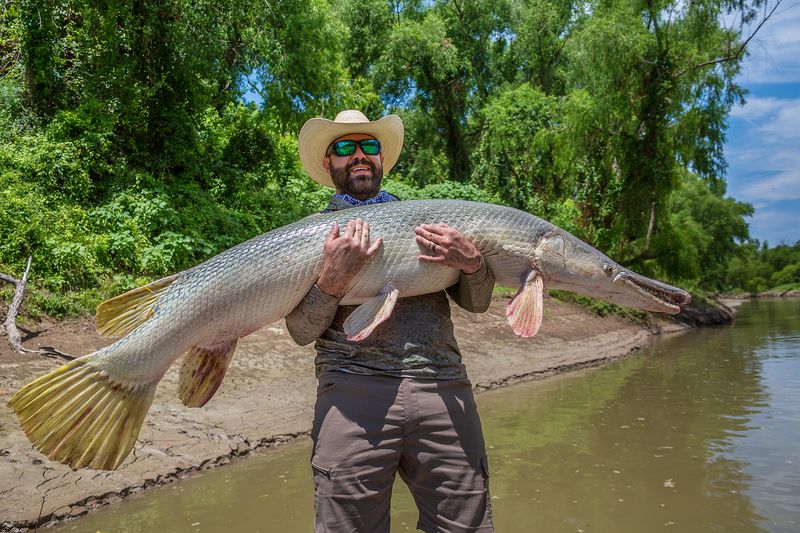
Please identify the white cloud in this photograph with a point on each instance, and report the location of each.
(756, 108)
(764, 163)
(783, 186)
(776, 223)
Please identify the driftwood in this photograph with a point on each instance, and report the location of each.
(10, 324)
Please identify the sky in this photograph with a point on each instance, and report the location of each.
(763, 144)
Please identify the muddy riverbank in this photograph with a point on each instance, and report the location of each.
(266, 400)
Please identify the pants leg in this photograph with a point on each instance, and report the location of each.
(444, 458)
(368, 427)
(358, 434)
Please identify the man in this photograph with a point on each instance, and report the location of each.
(399, 400)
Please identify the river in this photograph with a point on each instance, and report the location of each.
(700, 432)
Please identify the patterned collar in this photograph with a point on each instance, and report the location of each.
(382, 196)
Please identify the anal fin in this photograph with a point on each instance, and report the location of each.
(202, 372)
(368, 315)
(524, 312)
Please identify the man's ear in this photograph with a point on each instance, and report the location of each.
(326, 163)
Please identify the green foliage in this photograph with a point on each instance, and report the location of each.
(599, 307)
(757, 268)
(516, 155)
(446, 190)
(126, 152)
(787, 276)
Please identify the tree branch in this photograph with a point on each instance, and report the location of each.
(739, 51)
(10, 324)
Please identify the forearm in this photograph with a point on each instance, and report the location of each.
(473, 292)
(312, 316)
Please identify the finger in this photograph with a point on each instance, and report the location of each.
(375, 246)
(424, 242)
(359, 229)
(365, 235)
(427, 235)
(350, 230)
(435, 229)
(334, 233)
(430, 258)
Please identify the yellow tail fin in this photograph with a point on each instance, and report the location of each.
(124, 313)
(202, 372)
(79, 416)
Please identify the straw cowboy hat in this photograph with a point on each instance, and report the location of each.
(317, 134)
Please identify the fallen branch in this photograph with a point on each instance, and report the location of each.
(10, 324)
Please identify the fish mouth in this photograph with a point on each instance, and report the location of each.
(664, 298)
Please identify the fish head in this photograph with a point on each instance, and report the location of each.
(570, 264)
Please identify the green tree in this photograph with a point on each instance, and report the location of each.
(651, 84)
(443, 61)
(516, 156)
(702, 234)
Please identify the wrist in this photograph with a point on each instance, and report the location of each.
(331, 289)
(475, 267)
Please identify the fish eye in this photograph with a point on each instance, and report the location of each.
(608, 269)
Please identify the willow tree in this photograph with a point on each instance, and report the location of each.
(651, 85)
(442, 60)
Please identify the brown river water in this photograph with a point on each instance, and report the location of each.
(700, 432)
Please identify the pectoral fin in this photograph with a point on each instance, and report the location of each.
(368, 315)
(524, 312)
(202, 372)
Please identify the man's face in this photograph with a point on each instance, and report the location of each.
(357, 174)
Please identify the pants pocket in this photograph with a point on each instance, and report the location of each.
(330, 380)
(485, 467)
(318, 470)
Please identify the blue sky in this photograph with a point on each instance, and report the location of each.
(763, 146)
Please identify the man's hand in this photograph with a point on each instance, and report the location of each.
(449, 247)
(345, 255)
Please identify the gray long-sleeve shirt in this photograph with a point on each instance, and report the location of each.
(416, 340)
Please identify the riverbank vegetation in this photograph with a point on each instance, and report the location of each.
(138, 139)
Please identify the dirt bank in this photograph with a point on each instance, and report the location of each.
(265, 400)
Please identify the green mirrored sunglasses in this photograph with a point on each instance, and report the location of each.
(348, 147)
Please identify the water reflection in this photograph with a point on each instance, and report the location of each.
(698, 434)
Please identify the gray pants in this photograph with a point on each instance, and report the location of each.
(367, 428)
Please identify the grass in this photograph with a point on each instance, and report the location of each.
(600, 307)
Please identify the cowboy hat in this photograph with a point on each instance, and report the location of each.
(317, 134)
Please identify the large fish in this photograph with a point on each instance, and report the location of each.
(89, 411)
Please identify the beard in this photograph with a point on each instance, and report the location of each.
(363, 186)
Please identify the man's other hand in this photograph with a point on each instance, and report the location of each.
(345, 254)
(448, 247)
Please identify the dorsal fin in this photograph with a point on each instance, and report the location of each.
(124, 313)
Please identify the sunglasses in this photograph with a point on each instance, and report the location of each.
(348, 147)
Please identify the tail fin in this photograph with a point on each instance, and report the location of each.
(78, 415)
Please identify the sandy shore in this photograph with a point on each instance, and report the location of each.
(266, 400)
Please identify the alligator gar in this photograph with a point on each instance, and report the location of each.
(89, 411)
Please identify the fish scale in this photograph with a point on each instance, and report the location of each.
(203, 311)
